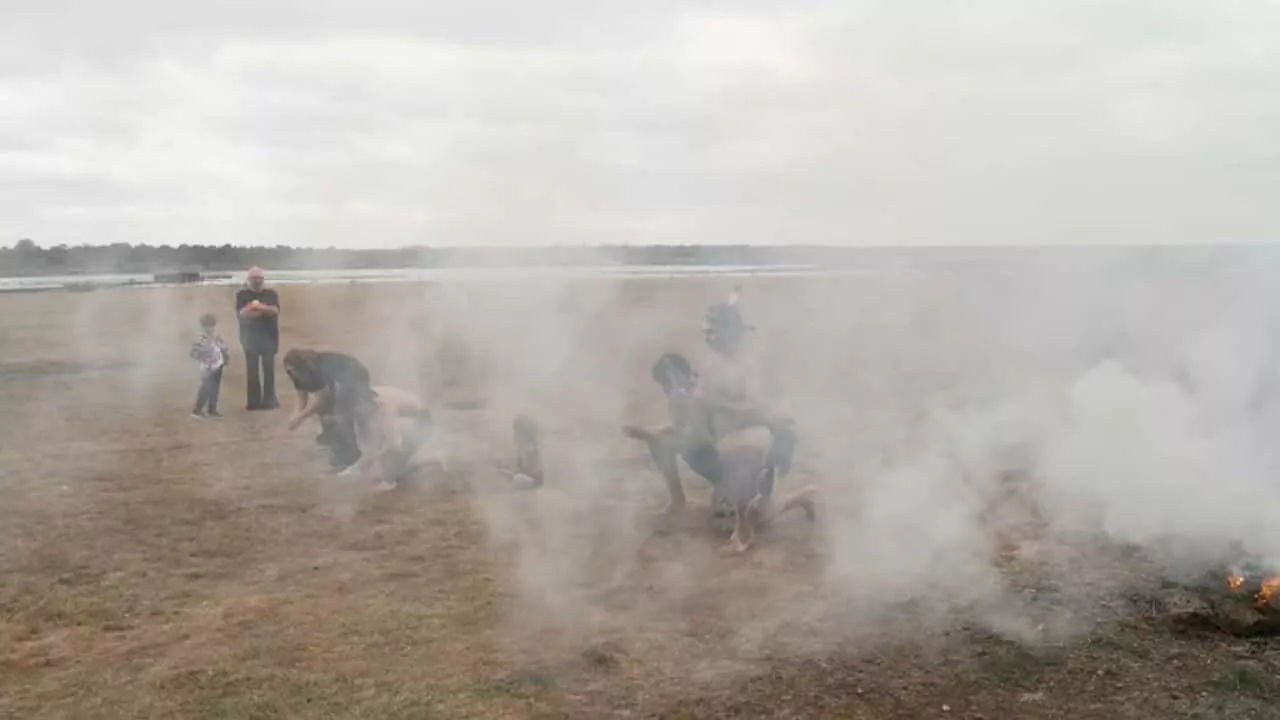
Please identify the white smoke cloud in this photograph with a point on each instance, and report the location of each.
(945, 414)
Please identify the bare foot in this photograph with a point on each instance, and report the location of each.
(384, 486)
(524, 482)
(735, 546)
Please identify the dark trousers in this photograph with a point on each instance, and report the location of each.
(339, 435)
(207, 398)
(261, 392)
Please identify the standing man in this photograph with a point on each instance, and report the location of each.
(259, 311)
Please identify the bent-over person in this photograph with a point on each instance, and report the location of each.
(338, 386)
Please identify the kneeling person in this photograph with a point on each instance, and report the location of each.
(397, 428)
(724, 426)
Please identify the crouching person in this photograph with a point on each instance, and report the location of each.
(397, 426)
(724, 427)
(337, 388)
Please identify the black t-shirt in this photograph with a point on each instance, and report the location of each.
(260, 333)
(334, 368)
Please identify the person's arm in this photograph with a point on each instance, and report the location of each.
(768, 388)
(311, 406)
(271, 306)
(244, 306)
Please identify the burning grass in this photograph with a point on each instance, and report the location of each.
(1261, 588)
(153, 566)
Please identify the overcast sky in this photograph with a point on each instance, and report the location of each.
(378, 123)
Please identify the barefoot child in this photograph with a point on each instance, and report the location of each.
(528, 474)
(212, 353)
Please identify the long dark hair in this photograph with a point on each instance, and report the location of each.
(303, 368)
(672, 370)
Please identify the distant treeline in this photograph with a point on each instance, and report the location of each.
(27, 258)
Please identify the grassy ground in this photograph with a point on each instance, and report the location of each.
(156, 566)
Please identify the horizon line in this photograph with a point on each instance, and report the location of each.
(709, 246)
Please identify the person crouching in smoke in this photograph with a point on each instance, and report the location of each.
(723, 407)
(337, 387)
(529, 473)
(399, 426)
(374, 431)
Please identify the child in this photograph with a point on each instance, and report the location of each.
(528, 474)
(212, 354)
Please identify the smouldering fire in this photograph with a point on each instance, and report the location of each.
(1270, 587)
(1267, 589)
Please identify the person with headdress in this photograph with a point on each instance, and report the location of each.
(724, 397)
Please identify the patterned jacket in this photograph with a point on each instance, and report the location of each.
(211, 352)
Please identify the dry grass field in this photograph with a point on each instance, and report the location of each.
(156, 566)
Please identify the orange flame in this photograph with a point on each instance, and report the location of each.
(1270, 587)
(1235, 581)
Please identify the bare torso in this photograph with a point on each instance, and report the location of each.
(734, 391)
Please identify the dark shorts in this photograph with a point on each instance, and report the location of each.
(704, 459)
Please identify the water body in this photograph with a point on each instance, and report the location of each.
(285, 277)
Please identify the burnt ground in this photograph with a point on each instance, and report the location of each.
(158, 566)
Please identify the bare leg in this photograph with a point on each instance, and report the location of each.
(664, 454)
(663, 450)
(748, 514)
(803, 499)
(744, 521)
(766, 511)
(743, 457)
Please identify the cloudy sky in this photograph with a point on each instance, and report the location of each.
(377, 123)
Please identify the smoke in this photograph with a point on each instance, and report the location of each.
(1048, 412)
(568, 353)
(1146, 426)
(976, 429)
